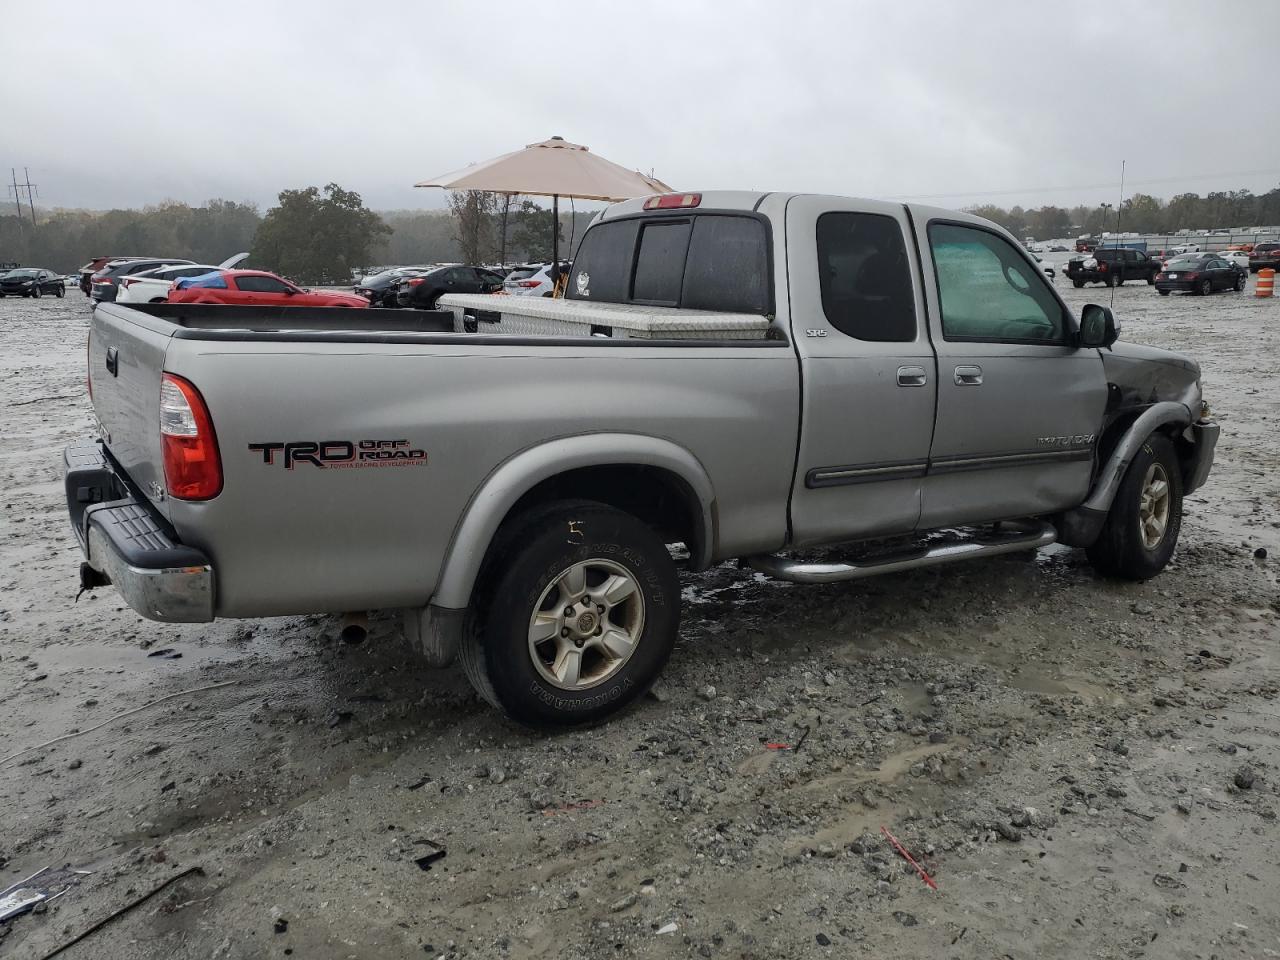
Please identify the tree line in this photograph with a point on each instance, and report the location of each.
(312, 235)
(322, 234)
(1142, 213)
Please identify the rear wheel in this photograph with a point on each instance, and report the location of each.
(1141, 529)
(579, 620)
(1113, 280)
(1205, 288)
(1077, 284)
(1239, 282)
(1163, 293)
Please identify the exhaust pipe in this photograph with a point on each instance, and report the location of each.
(355, 628)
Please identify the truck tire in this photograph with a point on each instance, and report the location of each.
(1114, 280)
(1151, 279)
(1163, 293)
(1077, 284)
(61, 291)
(578, 621)
(1141, 529)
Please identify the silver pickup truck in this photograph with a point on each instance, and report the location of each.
(749, 375)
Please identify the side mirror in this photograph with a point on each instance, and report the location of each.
(1098, 327)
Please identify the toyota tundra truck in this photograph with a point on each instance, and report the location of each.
(730, 375)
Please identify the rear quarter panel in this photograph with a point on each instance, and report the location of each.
(310, 539)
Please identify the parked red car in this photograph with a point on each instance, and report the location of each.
(256, 287)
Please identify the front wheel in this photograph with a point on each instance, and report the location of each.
(578, 621)
(1141, 529)
(61, 291)
(1239, 282)
(1205, 288)
(37, 291)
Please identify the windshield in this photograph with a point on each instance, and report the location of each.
(522, 273)
(1184, 263)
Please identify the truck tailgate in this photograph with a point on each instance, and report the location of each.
(126, 363)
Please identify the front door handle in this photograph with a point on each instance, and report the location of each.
(968, 376)
(912, 377)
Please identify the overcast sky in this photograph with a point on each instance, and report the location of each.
(960, 103)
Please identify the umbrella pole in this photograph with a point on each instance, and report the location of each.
(555, 245)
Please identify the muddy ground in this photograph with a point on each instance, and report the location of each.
(1060, 751)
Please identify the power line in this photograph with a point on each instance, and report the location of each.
(1083, 186)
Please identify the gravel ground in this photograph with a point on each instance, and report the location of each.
(1086, 768)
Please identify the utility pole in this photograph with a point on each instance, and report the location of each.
(17, 197)
(30, 186)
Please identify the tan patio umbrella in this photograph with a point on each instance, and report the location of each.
(554, 168)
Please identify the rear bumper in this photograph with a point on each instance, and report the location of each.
(1186, 286)
(128, 545)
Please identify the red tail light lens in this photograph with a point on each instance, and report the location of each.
(1190, 276)
(192, 465)
(415, 281)
(529, 283)
(669, 200)
(103, 280)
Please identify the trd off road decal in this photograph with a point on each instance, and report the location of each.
(341, 454)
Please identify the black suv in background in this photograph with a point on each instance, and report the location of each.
(1264, 255)
(105, 283)
(1113, 267)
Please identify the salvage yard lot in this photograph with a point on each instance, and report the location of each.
(1061, 752)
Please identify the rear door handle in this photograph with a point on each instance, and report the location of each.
(912, 377)
(968, 376)
(113, 361)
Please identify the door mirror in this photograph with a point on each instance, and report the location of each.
(1098, 327)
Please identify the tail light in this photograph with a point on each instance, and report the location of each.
(415, 281)
(128, 282)
(192, 466)
(668, 200)
(1190, 276)
(529, 283)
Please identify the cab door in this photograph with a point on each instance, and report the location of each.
(867, 369)
(1019, 404)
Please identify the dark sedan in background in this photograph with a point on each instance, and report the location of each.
(32, 282)
(1201, 273)
(423, 292)
(380, 288)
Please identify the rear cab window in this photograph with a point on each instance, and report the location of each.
(706, 261)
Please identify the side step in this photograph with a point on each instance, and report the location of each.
(1006, 538)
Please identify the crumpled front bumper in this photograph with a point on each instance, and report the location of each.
(1204, 440)
(127, 544)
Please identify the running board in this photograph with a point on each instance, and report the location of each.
(1006, 538)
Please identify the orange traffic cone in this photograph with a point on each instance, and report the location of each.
(1266, 283)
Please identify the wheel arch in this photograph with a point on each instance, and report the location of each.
(644, 476)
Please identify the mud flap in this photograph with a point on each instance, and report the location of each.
(435, 633)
